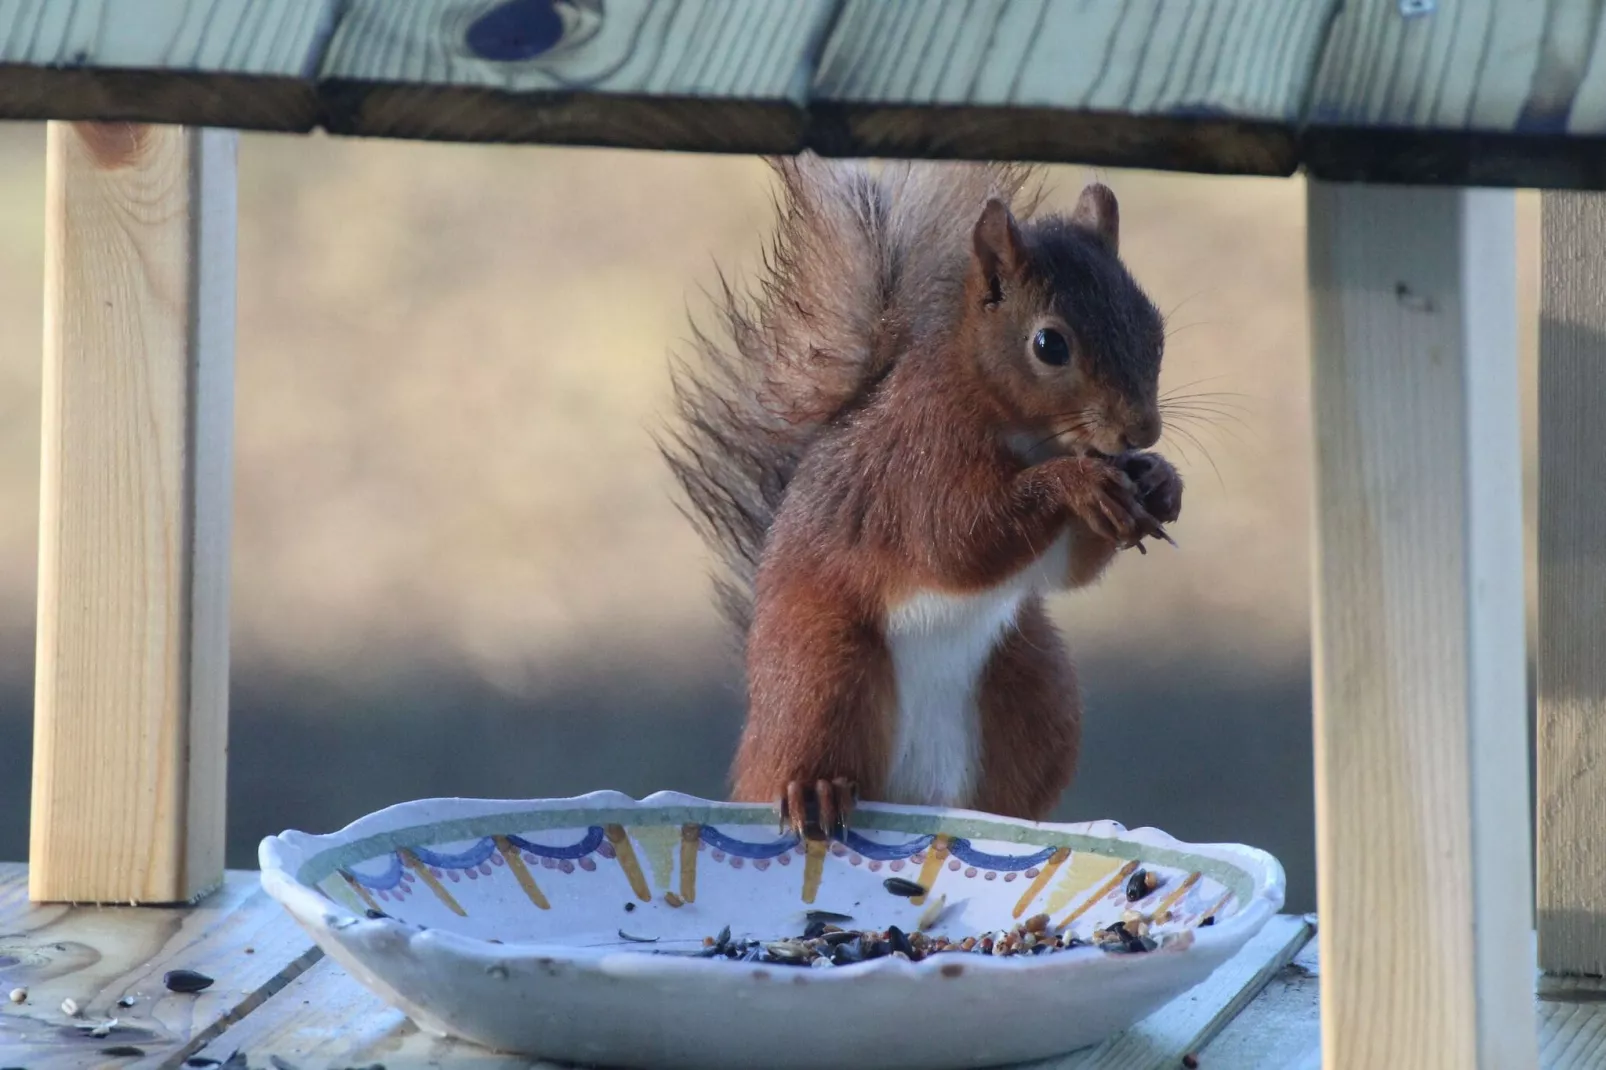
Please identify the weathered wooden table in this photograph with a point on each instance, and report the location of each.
(1394, 110)
(277, 1003)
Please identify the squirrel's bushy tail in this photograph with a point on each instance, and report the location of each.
(861, 265)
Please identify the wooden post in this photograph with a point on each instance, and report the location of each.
(132, 679)
(1421, 769)
(1571, 640)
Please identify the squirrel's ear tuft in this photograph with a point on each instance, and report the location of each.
(997, 241)
(1097, 211)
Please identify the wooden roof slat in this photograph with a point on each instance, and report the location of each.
(1215, 86)
(196, 62)
(1474, 92)
(703, 75)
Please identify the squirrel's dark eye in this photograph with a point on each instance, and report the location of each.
(1050, 347)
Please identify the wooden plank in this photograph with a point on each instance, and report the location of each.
(706, 75)
(324, 1020)
(1216, 86)
(1571, 740)
(1473, 92)
(1282, 1027)
(98, 956)
(1421, 774)
(197, 62)
(1572, 1023)
(131, 707)
(1188, 1023)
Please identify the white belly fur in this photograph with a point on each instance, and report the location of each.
(940, 644)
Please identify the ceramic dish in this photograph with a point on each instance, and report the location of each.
(500, 923)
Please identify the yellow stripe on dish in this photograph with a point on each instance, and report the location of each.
(515, 862)
(1110, 885)
(625, 854)
(1039, 882)
(431, 882)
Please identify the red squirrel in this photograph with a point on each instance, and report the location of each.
(932, 410)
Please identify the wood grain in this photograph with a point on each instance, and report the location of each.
(1477, 92)
(1215, 86)
(1572, 1023)
(197, 62)
(708, 75)
(1571, 639)
(1421, 775)
(1190, 1021)
(132, 676)
(324, 1019)
(99, 955)
(1282, 1028)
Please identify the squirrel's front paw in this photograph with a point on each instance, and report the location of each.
(818, 809)
(1108, 501)
(1158, 485)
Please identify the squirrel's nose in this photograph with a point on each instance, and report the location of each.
(1141, 434)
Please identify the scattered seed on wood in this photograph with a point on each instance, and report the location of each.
(1191, 1061)
(123, 1051)
(629, 907)
(1142, 883)
(186, 981)
(637, 939)
(674, 900)
(899, 886)
(69, 1007)
(126, 1001)
(814, 930)
(375, 915)
(201, 1062)
(19, 995)
(830, 916)
(1209, 919)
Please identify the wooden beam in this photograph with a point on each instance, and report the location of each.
(1421, 743)
(198, 62)
(1470, 92)
(131, 704)
(705, 75)
(1571, 640)
(1214, 87)
(1466, 92)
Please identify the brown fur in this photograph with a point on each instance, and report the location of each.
(883, 425)
(1031, 718)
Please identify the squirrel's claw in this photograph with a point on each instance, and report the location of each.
(818, 809)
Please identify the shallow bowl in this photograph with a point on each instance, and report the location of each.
(517, 925)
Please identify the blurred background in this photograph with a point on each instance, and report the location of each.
(458, 566)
